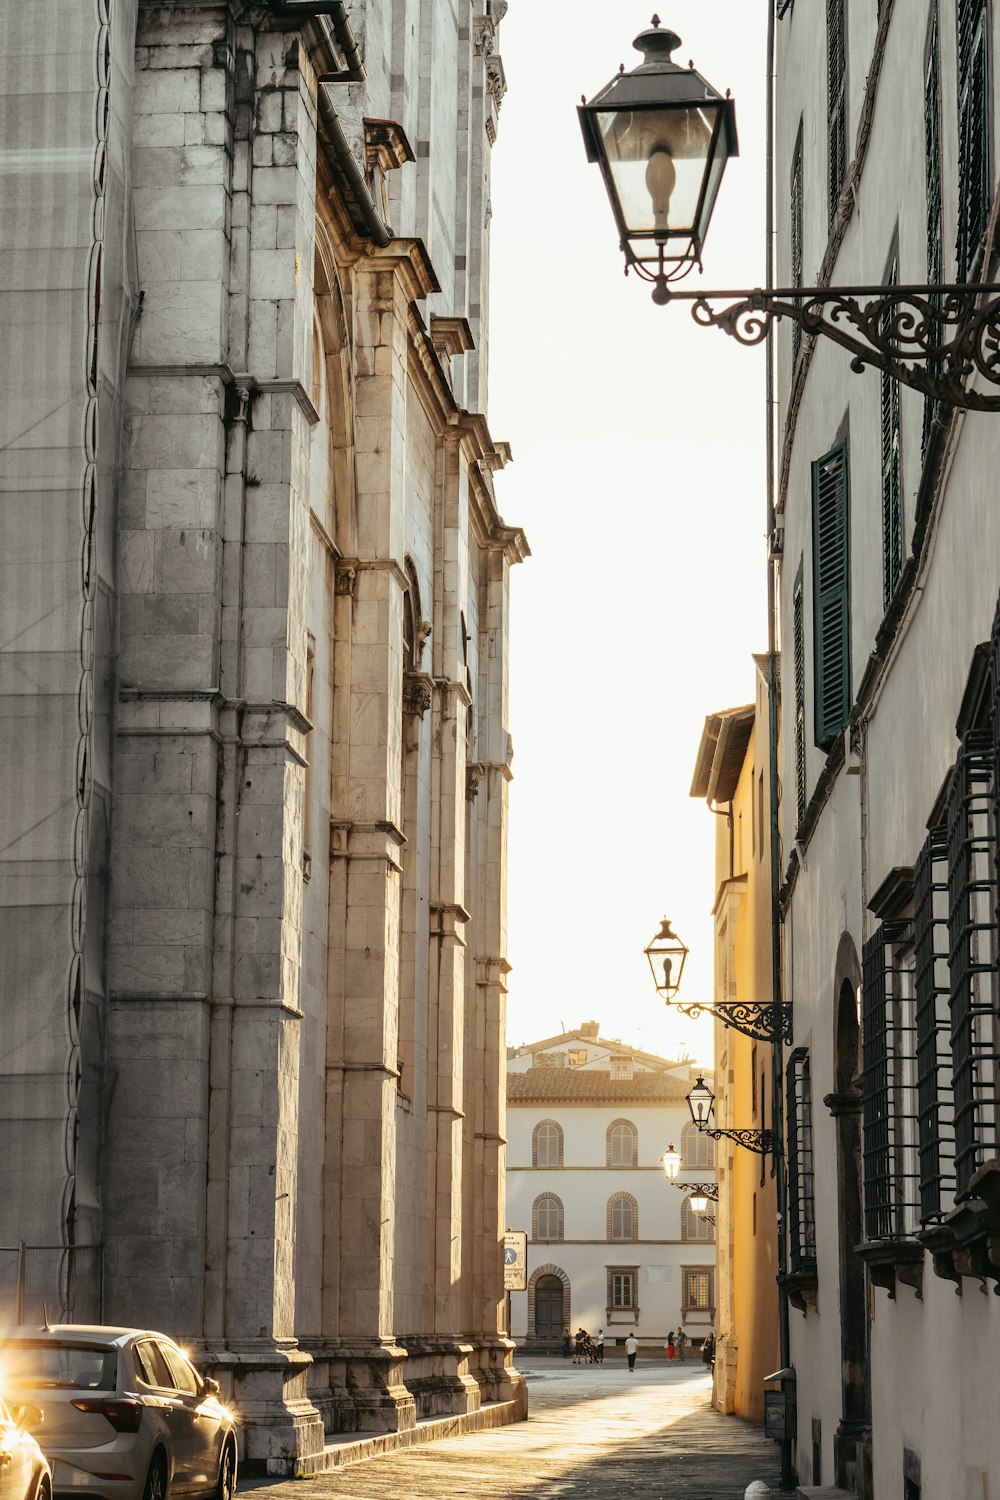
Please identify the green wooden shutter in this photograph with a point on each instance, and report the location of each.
(836, 100)
(974, 175)
(831, 594)
(799, 667)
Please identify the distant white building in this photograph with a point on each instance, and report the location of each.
(610, 1244)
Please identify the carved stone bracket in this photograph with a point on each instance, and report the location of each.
(345, 578)
(846, 1103)
(474, 774)
(802, 1288)
(892, 1261)
(418, 692)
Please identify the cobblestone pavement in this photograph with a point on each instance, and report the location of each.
(593, 1433)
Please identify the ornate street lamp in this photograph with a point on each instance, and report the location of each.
(666, 954)
(671, 1163)
(662, 136)
(701, 1103)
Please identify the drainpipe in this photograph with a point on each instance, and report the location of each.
(777, 1051)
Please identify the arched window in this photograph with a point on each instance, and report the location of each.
(694, 1226)
(623, 1217)
(697, 1149)
(623, 1144)
(547, 1217)
(547, 1144)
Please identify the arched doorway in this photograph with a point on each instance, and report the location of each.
(548, 1305)
(548, 1308)
(852, 1442)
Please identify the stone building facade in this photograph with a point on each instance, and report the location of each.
(256, 753)
(610, 1243)
(888, 123)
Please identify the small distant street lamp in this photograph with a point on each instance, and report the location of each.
(662, 136)
(666, 954)
(701, 1103)
(671, 1163)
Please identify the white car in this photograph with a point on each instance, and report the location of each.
(24, 1473)
(126, 1416)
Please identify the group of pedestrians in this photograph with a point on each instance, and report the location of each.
(584, 1349)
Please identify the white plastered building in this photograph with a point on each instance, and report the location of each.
(611, 1245)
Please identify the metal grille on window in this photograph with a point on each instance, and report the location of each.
(935, 1092)
(888, 1082)
(974, 179)
(801, 1211)
(973, 957)
(892, 498)
(796, 236)
(799, 651)
(932, 176)
(836, 61)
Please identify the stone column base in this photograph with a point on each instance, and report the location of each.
(439, 1378)
(266, 1382)
(494, 1369)
(359, 1387)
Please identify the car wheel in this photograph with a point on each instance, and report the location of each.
(42, 1490)
(225, 1489)
(156, 1480)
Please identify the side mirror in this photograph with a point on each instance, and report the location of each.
(212, 1387)
(29, 1417)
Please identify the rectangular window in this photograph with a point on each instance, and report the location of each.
(578, 1057)
(621, 1067)
(973, 975)
(799, 662)
(698, 1283)
(836, 64)
(801, 1211)
(935, 1093)
(888, 1083)
(831, 594)
(932, 179)
(796, 235)
(622, 1288)
(892, 488)
(974, 176)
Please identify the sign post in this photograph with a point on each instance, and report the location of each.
(515, 1266)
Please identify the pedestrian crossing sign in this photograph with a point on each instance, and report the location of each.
(515, 1260)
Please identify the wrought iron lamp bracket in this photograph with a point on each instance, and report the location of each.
(699, 1189)
(761, 1021)
(932, 338)
(761, 1141)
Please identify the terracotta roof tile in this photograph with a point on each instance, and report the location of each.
(592, 1085)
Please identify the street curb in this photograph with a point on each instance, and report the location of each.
(352, 1451)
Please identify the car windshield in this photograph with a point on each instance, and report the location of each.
(77, 1367)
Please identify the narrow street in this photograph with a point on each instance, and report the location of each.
(593, 1431)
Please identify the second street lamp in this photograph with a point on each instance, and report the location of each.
(701, 1103)
(666, 954)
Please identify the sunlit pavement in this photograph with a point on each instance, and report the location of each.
(593, 1430)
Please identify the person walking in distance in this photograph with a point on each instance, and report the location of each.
(631, 1349)
(682, 1342)
(600, 1346)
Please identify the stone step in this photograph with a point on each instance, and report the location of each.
(823, 1492)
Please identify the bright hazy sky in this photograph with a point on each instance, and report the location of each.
(638, 475)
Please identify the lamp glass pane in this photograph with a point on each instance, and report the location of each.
(713, 178)
(678, 142)
(699, 1205)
